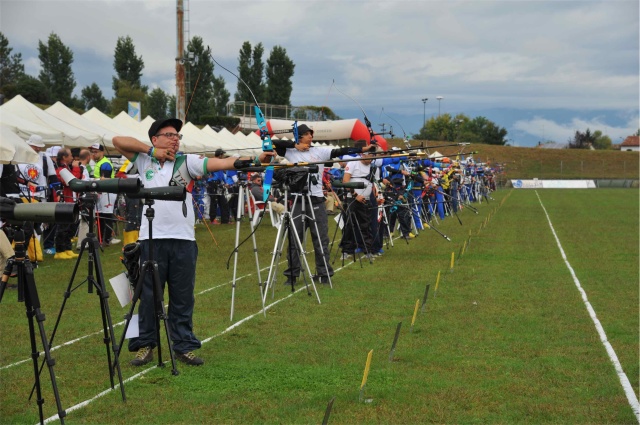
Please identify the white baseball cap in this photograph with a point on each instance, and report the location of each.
(35, 140)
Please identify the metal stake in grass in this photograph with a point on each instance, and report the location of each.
(395, 341)
(366, 375)
(415, 314)
(327, 412)
(424, 298)
(435, 291)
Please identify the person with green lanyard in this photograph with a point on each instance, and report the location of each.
(104, 170)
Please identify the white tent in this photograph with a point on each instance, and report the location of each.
(218, 140)
(69, 116)
(436, 155)
(71, 136)
(104, 121)
(194, 140)
(14, 150)
(25, 128)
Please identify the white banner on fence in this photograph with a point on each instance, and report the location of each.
(553, 184)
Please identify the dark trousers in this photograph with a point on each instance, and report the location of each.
(219, 200)
(320, 239)
(64, 233)
(357, 230)
(176, 261)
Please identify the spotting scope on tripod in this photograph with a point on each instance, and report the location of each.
(16, 215)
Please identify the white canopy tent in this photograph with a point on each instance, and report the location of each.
(25, 128)
(104, 121)
(69, 116)
(71, 136)
(13, 149)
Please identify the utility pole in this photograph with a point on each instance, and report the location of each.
(180, 82)
(424, 111)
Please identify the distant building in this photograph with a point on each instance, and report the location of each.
(631, 143)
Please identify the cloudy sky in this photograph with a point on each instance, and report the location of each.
(541, 69)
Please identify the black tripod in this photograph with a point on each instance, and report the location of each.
(91, 245)
(28, 294)
(150, 267)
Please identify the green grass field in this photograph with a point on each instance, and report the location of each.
(506, 338)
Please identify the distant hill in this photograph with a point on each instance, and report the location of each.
(540, 163)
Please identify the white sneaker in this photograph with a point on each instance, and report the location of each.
(114, 240)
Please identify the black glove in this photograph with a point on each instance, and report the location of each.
(239, 164)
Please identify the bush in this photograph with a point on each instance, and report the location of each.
(230, 123)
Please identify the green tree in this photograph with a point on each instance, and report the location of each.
(30, 88)
(250, 70)
(127, 65)
(127, 93)
(488, 132)
(581, 140)
(56, 74)
(11, 67)
(171, 108)
(279, 71)
(200, 81)
(92, 98)
(601, 141)
(314, 113)
(156, 104)
(221, 96)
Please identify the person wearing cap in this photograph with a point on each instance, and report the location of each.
(302, 151)
(258, 193)
(174, 242)
(102, 170)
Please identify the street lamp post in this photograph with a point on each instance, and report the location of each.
(439, 99)
(424, 110)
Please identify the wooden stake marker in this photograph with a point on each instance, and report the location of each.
(415, 314)
(437, 282)
(366, 375)
(453, 260)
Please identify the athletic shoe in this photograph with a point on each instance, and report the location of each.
(379, 253)
(190, 358)
(50, 251)
(71, 254)
(346, 255)
(321, 279)
(291, 280)
(411, 235)
(114, 241)
(62, 256)
(358, 250)
(143, 356)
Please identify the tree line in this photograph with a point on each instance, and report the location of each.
(207, 96)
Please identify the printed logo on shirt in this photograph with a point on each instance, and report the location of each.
(33, 173)
(148, 174)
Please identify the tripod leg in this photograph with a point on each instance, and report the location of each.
(107, 324)
(32, 304)
(162, 315)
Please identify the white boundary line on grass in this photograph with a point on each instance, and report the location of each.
(204, 341)
(624, 380)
